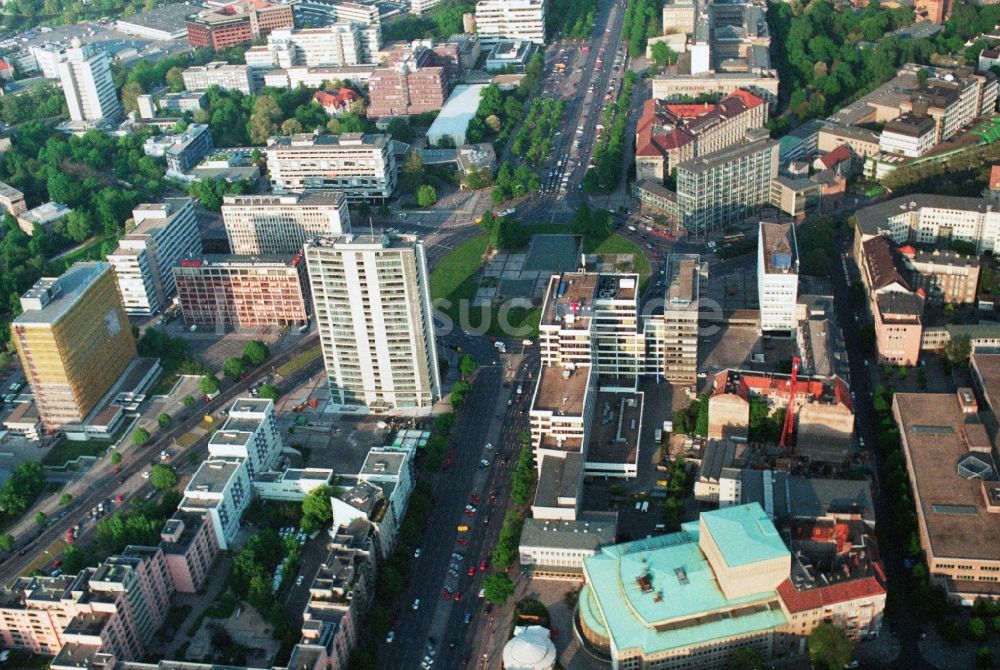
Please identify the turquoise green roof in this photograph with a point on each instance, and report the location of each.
(632, 587)
(744, 534)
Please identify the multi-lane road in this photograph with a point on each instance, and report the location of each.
(486, 419)
(106, 483)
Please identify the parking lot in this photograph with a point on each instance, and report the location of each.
(102, 36)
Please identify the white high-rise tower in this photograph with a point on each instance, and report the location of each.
(88, 85)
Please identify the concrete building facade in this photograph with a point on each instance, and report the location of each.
(725, 186)
(74, 341)
(362, 166)
(498, 20)
(371, 301)
(85, 75)
(243, 291)
(281, 224)
(777, 277)
(164, 233)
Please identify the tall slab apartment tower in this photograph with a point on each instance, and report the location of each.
(372, 307)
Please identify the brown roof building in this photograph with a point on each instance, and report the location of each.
(416, 80)
(238, 23)
(951, 462)
(668, 134)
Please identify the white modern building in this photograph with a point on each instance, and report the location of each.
(292, 484)
(924, 219)
(221, 489)
(220, 73)
(380, 495)
(86, 80)
(164, 233)
(280, 224)
(332, 46)
(677, 341)
(251, 433)
(777, 277)
(362, 166)
(908, 135)
(510, 20)
(453, 119)
(366, 16)
(47, 57)
(372, 306)
(418, 7)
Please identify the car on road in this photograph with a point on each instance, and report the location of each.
(416, 552)
(457, 557)
(390, 636)
(484, 463)
(299, 580)
(416, 604)
(145, 474)
(458, 596)
(467, 618)
(446, 594)
(482, 565)
(472, 570)
(493, 494)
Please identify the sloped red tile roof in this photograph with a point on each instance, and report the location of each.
(678, 123)
(835, 157)
(342, 97)
(995, 177)
(810, 599)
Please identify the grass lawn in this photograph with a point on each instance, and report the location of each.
(303, 359)
(91, 251)
(454, 278)
(69, 451)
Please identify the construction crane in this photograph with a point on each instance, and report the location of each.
(786, 430)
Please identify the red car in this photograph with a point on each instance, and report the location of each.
(458, 596)
(493, 494)
(462, 540)
(482, 566)
(119, 499)
(472, 570)
(446, 594)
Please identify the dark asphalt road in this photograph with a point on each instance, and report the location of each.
(107, 484)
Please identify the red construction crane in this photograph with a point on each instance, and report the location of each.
(786, 430)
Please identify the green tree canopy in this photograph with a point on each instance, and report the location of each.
(426, 196)
(255, 352)
(829, 647)
(269, 391)
(316, 507)
(162, 477)
(467, 365)
(209, 384)
(41, 518)
(164, 420)
(140, 436)
(498, 587)
(233, 367)
(6, 542)
(65, 499)
(116, 458)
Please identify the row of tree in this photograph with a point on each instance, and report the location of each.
(505, 233)
(609, 150)
(571, 18)
(533, 140)
(642, 21)
(21, 489)
(514, 183)
(440, 23)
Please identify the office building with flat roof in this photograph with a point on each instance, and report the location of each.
(678, 340)
(163, 234)
(335, 45)
(236, 23)
(371, 302)
(418, 82)
(189, 547)
(777, 277)
(220, 489)
(555, 549)
(281, 224)
(250, 432)
(724, 582)
(74, 341)
(360, 165)
(85, 75)
(243, 291)
(220, 73)
(951, 461)
(45, 215)
(726, 186)
(498, 20)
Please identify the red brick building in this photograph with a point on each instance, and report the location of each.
(238, 23)
(415, 81)
(243, 291)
